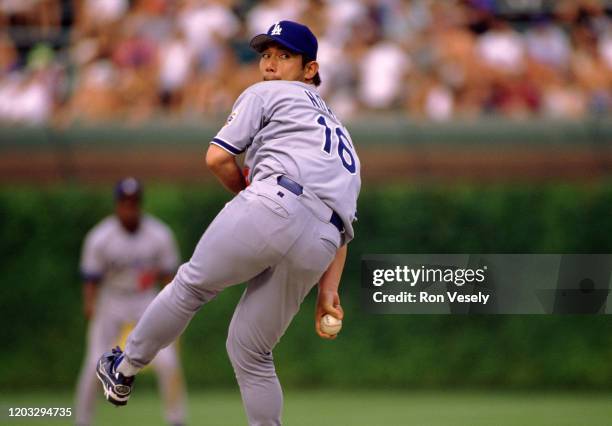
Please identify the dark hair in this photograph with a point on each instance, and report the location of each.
(316, 80)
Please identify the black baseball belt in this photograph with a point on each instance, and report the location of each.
(294, 187)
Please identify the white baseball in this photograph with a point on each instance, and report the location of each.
(330, 325)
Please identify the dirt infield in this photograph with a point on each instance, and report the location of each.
(391, 165)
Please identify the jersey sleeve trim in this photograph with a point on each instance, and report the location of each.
(226, 146)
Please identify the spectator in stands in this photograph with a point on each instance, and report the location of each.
(96, 97)
(548, 44)
(381, 73)
(437, 60)
(501, 49)
(265, 13)
(175, 69)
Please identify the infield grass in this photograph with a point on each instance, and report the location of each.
(347, 408)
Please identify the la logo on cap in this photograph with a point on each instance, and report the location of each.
(276, 30)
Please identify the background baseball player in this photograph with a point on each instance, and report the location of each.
(284, 233)
(123, 259)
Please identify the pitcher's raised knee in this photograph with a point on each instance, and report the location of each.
(247, 359)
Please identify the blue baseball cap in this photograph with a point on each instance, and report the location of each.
(128, 187)
(295, 37)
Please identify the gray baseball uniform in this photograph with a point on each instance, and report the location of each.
(279, 235)
(124, 266)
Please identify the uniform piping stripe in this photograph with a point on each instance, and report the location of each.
(228, 147)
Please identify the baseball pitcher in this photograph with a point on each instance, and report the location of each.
(282, 234)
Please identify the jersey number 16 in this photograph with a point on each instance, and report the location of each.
(344, 146)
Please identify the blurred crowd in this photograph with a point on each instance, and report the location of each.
(65, 61)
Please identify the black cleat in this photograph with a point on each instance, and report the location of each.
(117, 387)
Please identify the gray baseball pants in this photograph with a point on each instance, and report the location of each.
(277, 242)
